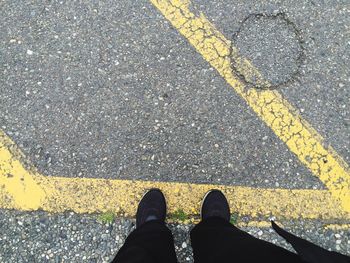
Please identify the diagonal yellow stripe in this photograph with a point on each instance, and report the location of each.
(26, 189)
(270, 106)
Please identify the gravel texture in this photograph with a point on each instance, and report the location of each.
(109, 89)
(41, 237)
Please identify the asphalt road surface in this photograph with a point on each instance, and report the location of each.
(109, 89)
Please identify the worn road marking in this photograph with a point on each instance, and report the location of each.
(26, 189)
(270, 106)
(18, 186)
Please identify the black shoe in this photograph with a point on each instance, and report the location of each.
(215, 205)
(151, 207)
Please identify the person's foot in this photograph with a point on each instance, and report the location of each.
(215, 205)
(151, 207)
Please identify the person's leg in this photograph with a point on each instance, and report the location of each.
(151, 241)
(216, 240)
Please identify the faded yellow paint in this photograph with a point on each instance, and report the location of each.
(337, 227)
(269, 105)
(16, 183)
(86, 195)
(25, 189)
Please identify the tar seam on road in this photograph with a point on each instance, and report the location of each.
(26, 189)
(248, 74)
(284, 120)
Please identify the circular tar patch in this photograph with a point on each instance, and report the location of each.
(267, 51)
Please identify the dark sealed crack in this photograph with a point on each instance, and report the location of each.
(285, 74)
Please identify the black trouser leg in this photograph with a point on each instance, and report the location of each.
(150, 243)
(216, 240)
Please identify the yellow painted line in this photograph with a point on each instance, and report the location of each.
(122, 196)
(270, 106)
(259, 224)
(17, 185)
(267, 224)
(26, 189)
(337, 227)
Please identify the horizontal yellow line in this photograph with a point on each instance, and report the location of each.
(26, 189)
(267, 224)
(270, 106)
(84, 195)
(337, 227)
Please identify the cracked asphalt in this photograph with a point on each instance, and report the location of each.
(123, 99)
(109, 89)
(273, 43)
